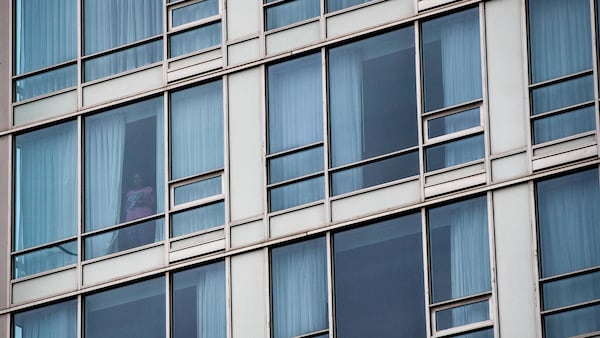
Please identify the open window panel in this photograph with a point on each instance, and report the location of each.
(194, 26)
(470, 317)
(317, 334)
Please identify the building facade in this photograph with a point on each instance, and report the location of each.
(299, 168)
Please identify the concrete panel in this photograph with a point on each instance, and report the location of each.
(563, 147)
(45, 108)
(199, 239)
(249, 298)
(125, 265)
(248, 233)
(246, 130)
(196, 59)
(297, 221)
(515, 262)
(195, 69)
(293, 38)
(566, 157)
(243, 52)
(5, 325)
(512, 166)
(507, 75)
(454, 174)
(45, 286)
(197, 250)
(370, 202)
(123, 86)
(370, 16)
(6, 212)
(243, 18)
(461, 183)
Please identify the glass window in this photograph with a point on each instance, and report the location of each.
(198, 219)
(292, 11)
(295, 132)
(124, 238)
(299, 288)
(136, 310)
(197, 190)
(46, 82)
(45, 195)
(124, 164)
(199, 302)
(372, 103)
(196, 11)
(45, 259)
(376, 296)
(455, 152)
(336, 5)
(56, 320)
(195, 39)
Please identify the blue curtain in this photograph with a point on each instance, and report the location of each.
(291, 12)
(195, 39)
(299, 288)
(52, 321)
(197, 11)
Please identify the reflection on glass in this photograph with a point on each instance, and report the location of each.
(195, 39)
(135, 310)
(46, 82)
(452, 123)
(123, 239)
(455, 152)
(571, 291)
(197, 190)
(294, 165)
(45, 259)
(56, 320)
(375, 295)
(291, 12)
(462, 315)
(123, 60)
(202, 218)
(564, 124)
(562, 94)
(199, 10)
(572, 323)
(199, 302)
(297, 193)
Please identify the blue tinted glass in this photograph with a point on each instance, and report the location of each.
(195, 39)
(336, 5)
(462, 315)
(113, 23)
(568, 218)
(564, 124)
(451, 59)
(295, 103)
(452, 123)
(45, 33)
(124, 164)
(379, 280)
(193, 12)
(202, 218)
(46, 82)
(123, 60)
(572, 323)
(294, 194)
(45, 259)
(136, 310)
(56, 320)
(560, 39)
(563, 94)
(299, 288)
(459, 250)
(571, 291)
(373, 109)
(295, 165)
(199, 302)
(292, 11)
(45, 185)
(198, 190)
(197, 130)
(123, 239)
(489, 333)
(455, 152)
(375, 173)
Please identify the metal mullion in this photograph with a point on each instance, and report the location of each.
(296, 179)
(595, 46)
(122, 47)
(330, 283)
(562, 110)
(561, 140)
(43, 96)
(226, 164)
(199, 233)
(453, 136)
(295, 150)
(122, 74)
(41, 274)
(458, 166)
(115, 254)
(467, 328)
(375, 159)
(419, 80)
(425, 263)
(563, 78)
(197, 203)
(196, 177)
(168, 302)
(123, 225)
(44, 70)
(466, 300)
(80, 194)
(325, 127)
(194, 24)
(44, 246)
(570, 307)
(453, 109)
(275, 3)
(568, 275)
(312, 334)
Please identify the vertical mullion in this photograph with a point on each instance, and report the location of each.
(420, 103)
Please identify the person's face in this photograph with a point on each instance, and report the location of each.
(137, 180)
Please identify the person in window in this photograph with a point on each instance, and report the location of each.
(139, 201)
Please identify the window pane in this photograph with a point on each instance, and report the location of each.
(45, 259)
(46, 82)
(193, 12)
(572, 323)
(57, 320)
(571, 291)
(124, 164)
(113, 23)
(295, 103)
(336, 5)
(377, 296)
(195, 39)
(559, 38)
(199, 302)
(123, 60)
(295, 165)
(568, 218)
(374, 173)
(202, 218)
(563, 94)
(452, 123)
(136, 310)
(451, 59)
(564, 124)
(124, 239)
(291, 12)
(198, 190)
(459, 251)
(489, 333)
(462, 315)
(197, 130)
(454, 153)
(299, 288)
(295, 194)
(45, 33)
(372, 97)
(45, 185)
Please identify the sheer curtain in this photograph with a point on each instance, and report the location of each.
(53, 321)
(299, 287)
(291, 12)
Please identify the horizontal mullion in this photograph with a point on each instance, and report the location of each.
(123, 225)
(562, 110)
(569, 274)
(561, 140)
(295, 150)
(465, 328)
(172, 239)
(176, 208)
(275, 3)
(453, 136)
(570, 307)
(296, 179)
(313, 334)
(374, 159)
(44, 70)
(197, 177)
(453, 109)
(122, 47)
(447, 304)
(44, 246)
(194, 24)
(43, 96)
(561, 79)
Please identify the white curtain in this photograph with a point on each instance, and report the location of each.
(53, 321)
(299, 287)
(195, 39)
(201, 218)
